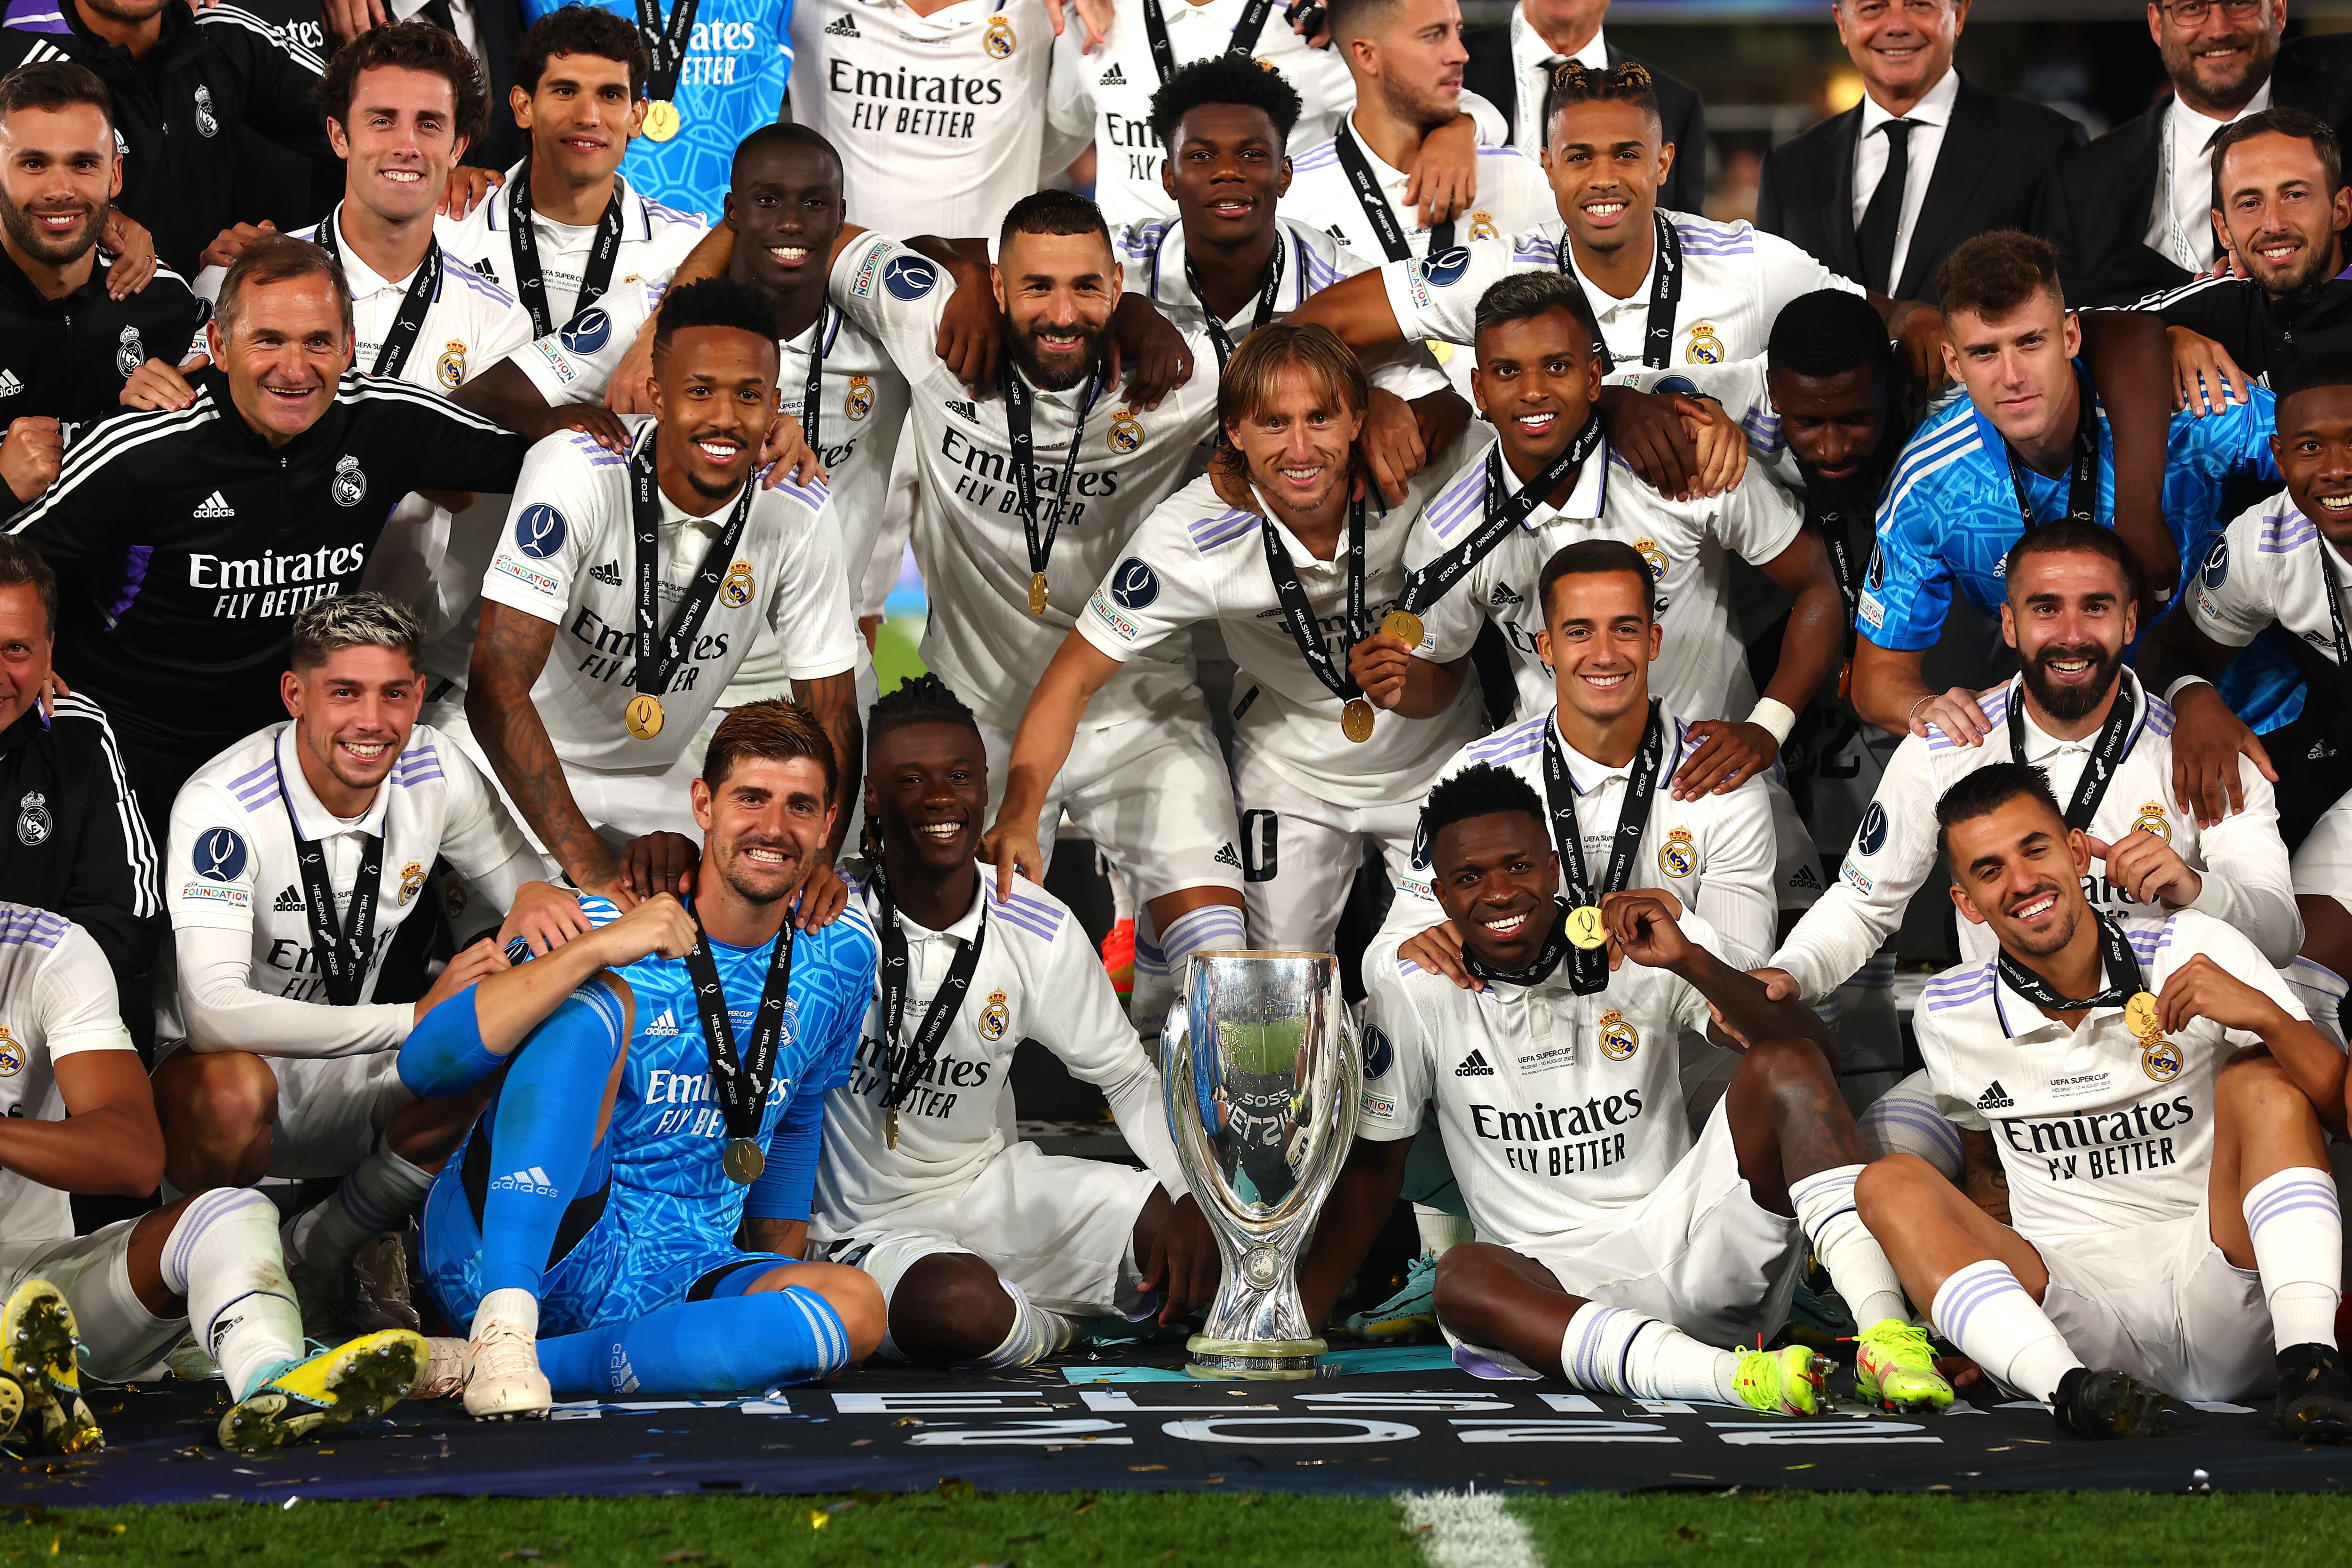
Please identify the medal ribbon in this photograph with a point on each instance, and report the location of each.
(2082, 470)
(1298, 615)
(811, 406)
(1021, 434)
(1556, 946)
(946, 1003)
(660, 653)
(408, 324)
(2106, 751)
(1506, 511)
(342, 954)
(1589, 967)
(742, 1081)
(1395, 244)
(665, 44)
(522, 241)
(1219, 336)
(1666, 298)
(1163, 54)
(2123, 974)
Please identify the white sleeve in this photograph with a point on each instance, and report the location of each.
(1070, 87)
(77, 1010)
(808, 611)
(510, 336)
(897, 295)
(1494, 131)
(1892, 853)
(211, 871)
(1953, 1100)
(1082, 1023)
(1757, 519)
(1398, 1056)
(1158, 588)
(479, 837)
(2248, 883)
(575, 362)
(543, 546)
(1736, 896)
(207, 284)
(2188, 935)
(1738, 384)
(1407, 369)
(1437, 297)
(1785, 271)
(222, 1012)
(2236, 590)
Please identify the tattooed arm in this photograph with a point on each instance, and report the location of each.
(508, 653)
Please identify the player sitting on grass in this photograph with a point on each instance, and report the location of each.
(1622, 1252)
(2150, 1096)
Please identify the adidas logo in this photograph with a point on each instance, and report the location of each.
(486, 269)
(1225, 857)
(1113, 77)
(842, 28)
(288, 902)
(532, 1181)
(962, 410)
(1474, 1065)
(609, 572)
(9, 385)
(1995, 1098)
(1502, 598)
(665, 1025)
(215, 505)
(1805, 877)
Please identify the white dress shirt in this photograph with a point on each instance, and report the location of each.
(461, 19)
(1928, 117)
(2181, 227)
(1531, 63)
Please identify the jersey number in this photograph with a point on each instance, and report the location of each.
(1261, 839)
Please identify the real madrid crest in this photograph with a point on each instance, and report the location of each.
(2161, 1060)
(996, 1017)
(411, 882)
(33, 823)
(1705, 348)
(736, 591)
(1482, 225)
(1649, 552)
(129, 353)
(450, 368)
(1678, 857)
(1618, 1039)
(997, 40)
(860, 401)
(2152, 819)
(1125, 432)
(12, 1055)
(349, 486)
(453, 897)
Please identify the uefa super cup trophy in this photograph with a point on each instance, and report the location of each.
(1262, 1074)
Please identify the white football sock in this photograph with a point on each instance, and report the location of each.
(1037, 1333)
(1609, 1349)
(512, 1305)
(223, 1256)
(1440, 1230)
(1154, 989)
(1856, 1263)
(1212, 927)
(1983, 1310)
(2298, 1231)
(383, 1191)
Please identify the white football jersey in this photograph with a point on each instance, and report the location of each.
(968, 538)
(1740, 386)
(2097, 1131)
(2241, 860)
(570, 556)
(1038, 978)
(1513, 196)
(1735, 279)
(935, 117)
(1198, 558)
(1106, 94)
(654, 239)
(56, 998)
(233, 868)
(2266, 566)
(1701, 671)
(1714, 854)
(1558, 1110)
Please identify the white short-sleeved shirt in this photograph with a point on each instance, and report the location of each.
(1104, 95)
(935, 117)
(654, 239)
(1714, 854)
(2097, 1132)
(231, 864)
(569, 555)
(1197, 558)
(969, 540)
(1038, 978)
(1701, 671)
(1558, 1110)
(57, 998)
(2266, 566)
(1736, 280)
(1513, 198)
(2239, 860)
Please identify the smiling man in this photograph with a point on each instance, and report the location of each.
(626, 590)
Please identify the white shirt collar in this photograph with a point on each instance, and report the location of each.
(966, 925)
(310, 815)
(1586, 500)
(1935, 108)
(1583, 772)
(1529, 49)
(2191, 131)
(2040, 743)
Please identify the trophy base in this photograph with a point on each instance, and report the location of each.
(1256, 1361)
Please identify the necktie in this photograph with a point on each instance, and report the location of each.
(1884, 214)
(437, 12)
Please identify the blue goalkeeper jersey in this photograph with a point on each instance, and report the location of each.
(1949, 513)
(738, 57)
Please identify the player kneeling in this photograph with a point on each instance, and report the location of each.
(1623, 1252)
(2150, 1097)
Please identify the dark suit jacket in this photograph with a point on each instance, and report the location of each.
(1996, 154)
(2094, 208)
(1490, 76)
(498, 26)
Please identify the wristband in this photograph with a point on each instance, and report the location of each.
(1773, 717)
(2172, 692)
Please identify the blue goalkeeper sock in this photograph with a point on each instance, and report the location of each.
(443, 1054)
(544, 1136)
(736, 1344)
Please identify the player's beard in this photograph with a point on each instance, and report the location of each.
(44, 247)
(1424, 112)
(2072, 701)
(1022, 345)
(762, 895)
(2054, 938)
(2308, 270)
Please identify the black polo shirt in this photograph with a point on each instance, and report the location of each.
(66, 359)
(2267, 337)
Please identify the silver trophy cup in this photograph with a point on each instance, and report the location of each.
(1262, 1074)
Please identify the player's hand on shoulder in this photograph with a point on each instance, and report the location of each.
(230, 242)
(134, 249)
(1013, 850)
(468, 185)
(787, 454)
(545, 916)
(2201, 988)
(474, 964)
(631, 389)
(1730, 752)
(1648, 429)
(2208, 739)
(659, 927)
(1442, 181)
(1392, 443)
(660, 863)
(1640, 926)
(2205, 379)
(1956, 713)
(1146, 349)
(2149, 868)
(30, 455)
(971, 332)
(155, 384)
(823, 898)
(1439, 950)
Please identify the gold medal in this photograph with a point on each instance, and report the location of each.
(743, 1162)
(2139, 1012)
(1037, 593)
(1403, 626)
(1356, 720)
(662, 120)
(1584, 928)
(890, 1125)
(644, 716)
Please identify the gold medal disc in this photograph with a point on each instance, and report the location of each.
(743, 1162)
(644, 716)
(1584, 927)
(1037, 593)
(662, 120)
(2139, 1014)
(1403, 626)
(1356, 720)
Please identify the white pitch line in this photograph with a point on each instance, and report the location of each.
(1468, 1530)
